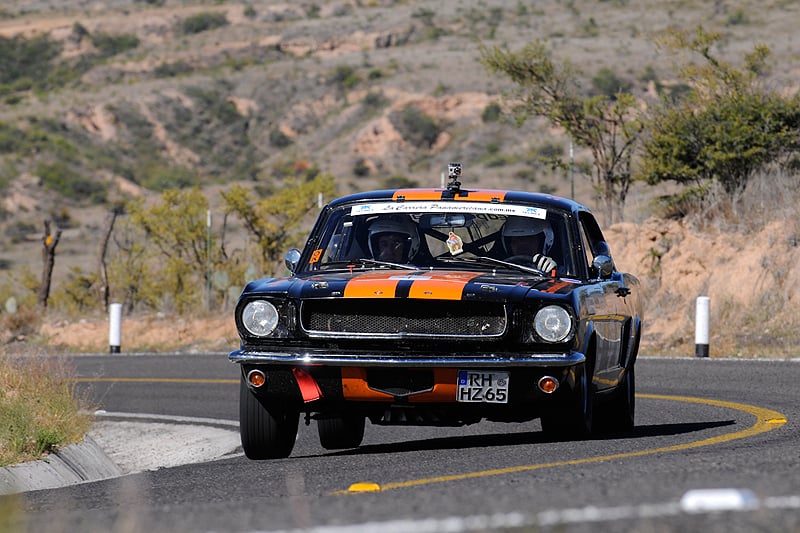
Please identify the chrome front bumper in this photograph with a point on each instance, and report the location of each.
(300, 358)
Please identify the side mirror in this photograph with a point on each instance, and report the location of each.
(292, 259)
(603, 266)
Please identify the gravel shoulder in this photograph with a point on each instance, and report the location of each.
(118, 447)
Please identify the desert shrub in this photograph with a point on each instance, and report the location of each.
(62, 179)
(289, 169)
(606, 83)
(278, 139)
(214, 130)
(23, 323)
(172, 70)
(360, 168)
(110, 45)
(738, 18)
(527, 174)
(30, 58)
(415, 126)
(491, 113)
(549, 150)
(160, 175)
(375, 100)
(399, 182)
(201, 22)
(77, 294)
(10, 138)
(62, 218)
(313, 11)
(345, 76)
(18, 231)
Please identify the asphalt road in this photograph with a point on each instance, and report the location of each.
(702, 424)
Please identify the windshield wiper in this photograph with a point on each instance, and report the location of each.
(364, 261)
(482, 260)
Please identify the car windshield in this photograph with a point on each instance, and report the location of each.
(430, 235)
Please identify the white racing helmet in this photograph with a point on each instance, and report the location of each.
(401, 224)
(527, 227)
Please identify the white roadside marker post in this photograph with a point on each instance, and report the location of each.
(701, 326)
(115, 327)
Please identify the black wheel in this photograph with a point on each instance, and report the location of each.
(575, 420)
(617, 413)
(339, 432)
(267, 432)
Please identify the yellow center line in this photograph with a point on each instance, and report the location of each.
(766, 420)
(154, 380)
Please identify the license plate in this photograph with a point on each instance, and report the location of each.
(482, 387)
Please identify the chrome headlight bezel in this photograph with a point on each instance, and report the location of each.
(260, 318)
(553, 324)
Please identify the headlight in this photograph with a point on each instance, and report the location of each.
(260, 318)
(553, 323)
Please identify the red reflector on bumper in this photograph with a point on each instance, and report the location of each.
(309, 389)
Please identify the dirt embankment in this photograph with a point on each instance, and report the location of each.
(751, 279)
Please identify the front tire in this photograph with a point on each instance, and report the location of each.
(617, 414)
(267, 432)
(574, 422)
(340, 432)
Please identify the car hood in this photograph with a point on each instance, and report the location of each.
(414, 284)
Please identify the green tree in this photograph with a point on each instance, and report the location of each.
(132, 276)
(176, 228)
(609, 128)
(275, 222)
(726, 129)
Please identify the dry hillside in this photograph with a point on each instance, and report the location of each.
(266, 82)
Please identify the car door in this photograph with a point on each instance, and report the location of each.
(608, 313)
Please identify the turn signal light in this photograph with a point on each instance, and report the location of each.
(548, 384)
(256, 378)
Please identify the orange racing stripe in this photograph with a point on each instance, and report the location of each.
(483, 195)
(448, 286)
(372, 285)
(418, 194)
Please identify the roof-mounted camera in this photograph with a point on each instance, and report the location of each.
(453, 173)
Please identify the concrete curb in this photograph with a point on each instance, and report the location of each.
(76, 463)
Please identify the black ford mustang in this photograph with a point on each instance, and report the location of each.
(439, 307)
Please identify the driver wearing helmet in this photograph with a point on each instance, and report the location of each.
(528, 240)
(393, 238)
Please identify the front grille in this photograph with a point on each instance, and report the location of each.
(402, 318)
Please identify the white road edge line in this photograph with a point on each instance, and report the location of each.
(167, 418)
(555, 517)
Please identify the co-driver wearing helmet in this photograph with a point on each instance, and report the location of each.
(529, 240)
(393, 238)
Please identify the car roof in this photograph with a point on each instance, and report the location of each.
(461, 194)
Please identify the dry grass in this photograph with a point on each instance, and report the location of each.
(39, 408)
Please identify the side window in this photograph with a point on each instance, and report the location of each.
(587, 248)
(594, 243)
